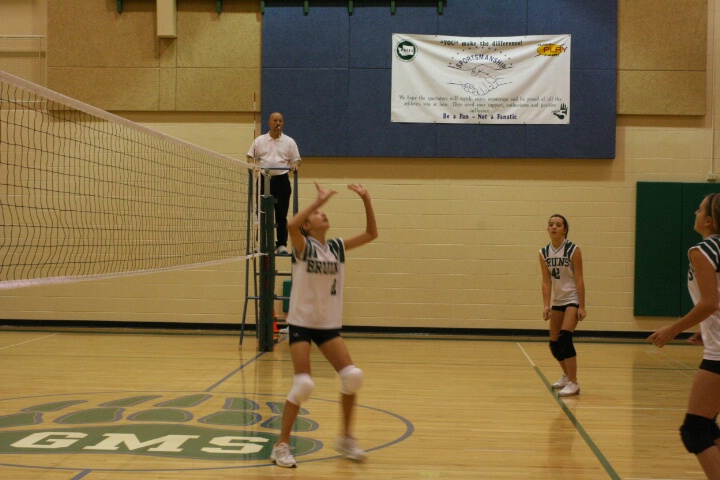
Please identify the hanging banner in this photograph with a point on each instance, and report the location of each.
(490, 80)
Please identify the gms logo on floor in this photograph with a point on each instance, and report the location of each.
(154, 425)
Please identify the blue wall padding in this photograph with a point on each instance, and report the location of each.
(371, 132)
(371, 32)
(485, 18)
(592, 23)
(329, 73)
(318, 117)
(317, 40)
(489, 141)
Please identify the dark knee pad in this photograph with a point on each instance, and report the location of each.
(555, 350)
(565, 344)
(698, 433)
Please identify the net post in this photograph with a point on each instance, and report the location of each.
(266, 181)
(250, 248)
(295, 192)
(267, 274)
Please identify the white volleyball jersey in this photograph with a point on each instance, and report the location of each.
(316, 297)
(562, 273)
(710, 327)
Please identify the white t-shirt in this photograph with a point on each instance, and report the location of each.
(318, 272)
(710, 327)
(274, 153)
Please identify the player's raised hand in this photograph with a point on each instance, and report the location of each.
(359, 189)
(324, 194)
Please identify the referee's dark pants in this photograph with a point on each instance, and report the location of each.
(280, 189)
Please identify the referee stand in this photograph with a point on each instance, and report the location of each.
(260, 241)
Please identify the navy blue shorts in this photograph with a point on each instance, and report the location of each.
(711, 366)
(562, 308)
(302, 334)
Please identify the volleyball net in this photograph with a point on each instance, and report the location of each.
(87, 194)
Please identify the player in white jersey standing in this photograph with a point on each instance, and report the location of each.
(563, 290)
(699, 432)
(315, 315)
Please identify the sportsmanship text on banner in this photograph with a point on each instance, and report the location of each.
(490, 80)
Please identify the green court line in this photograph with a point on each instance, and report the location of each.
(576, 423)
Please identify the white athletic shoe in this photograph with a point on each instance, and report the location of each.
(282, 457)
(561, 382)
(281, 250)
(569, 390)
(349, 448)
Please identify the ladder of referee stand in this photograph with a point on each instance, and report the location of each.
(260, 238)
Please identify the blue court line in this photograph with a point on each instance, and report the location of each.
(226, 377)
(222, 380)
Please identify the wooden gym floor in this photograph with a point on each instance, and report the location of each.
(189, 405)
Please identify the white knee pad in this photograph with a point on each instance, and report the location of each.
(301, 389)
(351, 379)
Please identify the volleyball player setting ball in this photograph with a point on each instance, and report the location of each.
(315, 316)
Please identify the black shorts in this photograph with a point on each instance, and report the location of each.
(710, 365)
(302, 334)
(562, 308)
